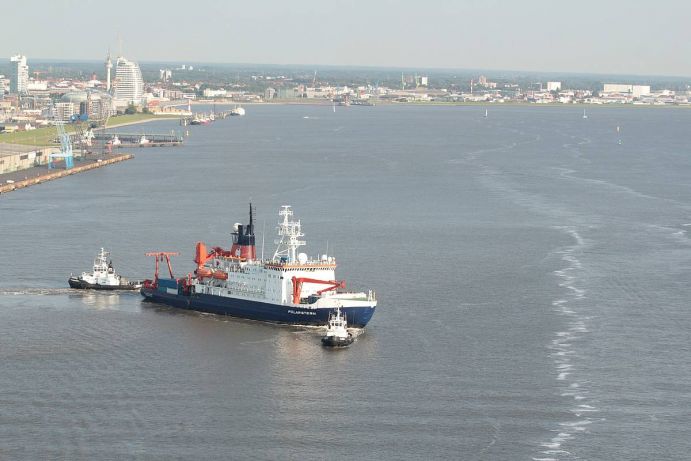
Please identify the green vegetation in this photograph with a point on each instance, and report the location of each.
(38, 137)
(135, 118)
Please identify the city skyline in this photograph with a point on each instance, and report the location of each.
(610, 38)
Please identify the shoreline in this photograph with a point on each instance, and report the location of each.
(294, 102)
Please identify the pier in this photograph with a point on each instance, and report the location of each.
(37, 175)
(120, 140)
(204, 118)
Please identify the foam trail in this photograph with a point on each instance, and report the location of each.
(564, 350)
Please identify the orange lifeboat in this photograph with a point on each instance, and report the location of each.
(220, 275)
(204, 272)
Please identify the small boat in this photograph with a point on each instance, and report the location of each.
(103, 277)
(143, 140)
(337, 334)
(584, 114)
(237, 111)
(486, 113)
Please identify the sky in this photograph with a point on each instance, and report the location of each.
(585, 36)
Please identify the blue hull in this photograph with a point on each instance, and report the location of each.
(255, 310)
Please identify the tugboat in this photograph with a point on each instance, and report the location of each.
(237, 111)
(337, 334)
(103, 277)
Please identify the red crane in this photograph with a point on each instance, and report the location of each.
(160, 256)
(298, 281)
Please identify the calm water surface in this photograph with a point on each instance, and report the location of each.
(532, 275)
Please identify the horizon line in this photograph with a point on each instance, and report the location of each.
(376, 67)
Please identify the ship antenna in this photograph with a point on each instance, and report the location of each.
(250, 226)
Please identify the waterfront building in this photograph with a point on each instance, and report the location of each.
(129, 85)
(96, 105)
(553, 86)
(64, 111)
(209, 93)
(19, 78)
(286, 93)
(635, 91)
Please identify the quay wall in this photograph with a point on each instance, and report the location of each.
(50, 175)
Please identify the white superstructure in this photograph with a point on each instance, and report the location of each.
(289, 278)
(103, 273)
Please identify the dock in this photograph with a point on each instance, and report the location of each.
(128, 140)
(37, 175)
(208, 117)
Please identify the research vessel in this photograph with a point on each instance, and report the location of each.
(102, 277)
(289, 288)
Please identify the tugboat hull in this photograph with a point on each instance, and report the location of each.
(332, 341)
(83, 285)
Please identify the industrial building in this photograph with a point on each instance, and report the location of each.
(635, 91)
(15, 157)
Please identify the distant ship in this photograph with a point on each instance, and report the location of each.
(102, 277)
(239, 111)
(289, 288)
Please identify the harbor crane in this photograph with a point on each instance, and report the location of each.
(65, 148)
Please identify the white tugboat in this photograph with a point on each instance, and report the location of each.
(103, 277)
(238, 111)
(337, 334)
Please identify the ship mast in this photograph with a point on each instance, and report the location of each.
(290, 232)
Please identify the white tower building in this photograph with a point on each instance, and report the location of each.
(19, 79)
(129, 86)
(109, 67)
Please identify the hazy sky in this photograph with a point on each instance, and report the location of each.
(623, 37)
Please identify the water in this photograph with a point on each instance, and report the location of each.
(532, 275)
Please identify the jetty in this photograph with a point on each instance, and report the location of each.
(128, 140)
(36, 175)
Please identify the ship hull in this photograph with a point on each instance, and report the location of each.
(356, 317)
(83, 285)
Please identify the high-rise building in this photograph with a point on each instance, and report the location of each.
(19, 78)
(166, 74)
(129, 86)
